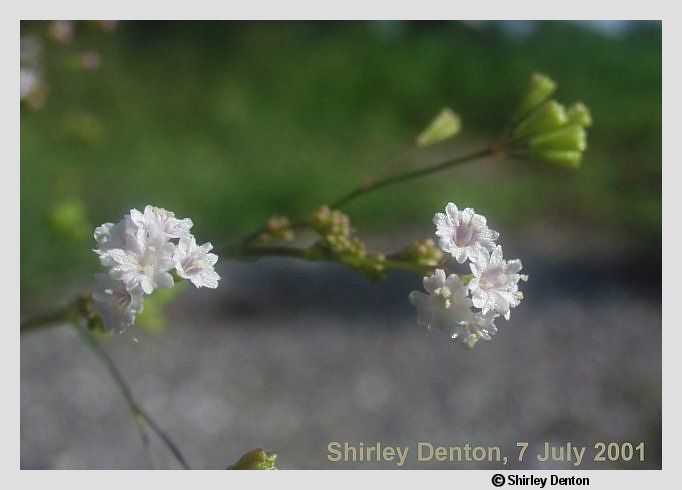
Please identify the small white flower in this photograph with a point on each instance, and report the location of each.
(495, 283)
(115, 303)
(195, 263)
(481, 326)
(143, 263)
(157, 221)
(140, 252)
(446, 306)
(463, 234)
(109, 236)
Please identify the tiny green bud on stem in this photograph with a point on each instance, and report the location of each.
(540, 88)
(550, 115)
(445, 125)
(256, 459)
(579, 113)
(572, 137)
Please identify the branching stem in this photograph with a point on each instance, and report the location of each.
(141, 417)
(379, 183)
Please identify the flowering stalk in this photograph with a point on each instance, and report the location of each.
(354, 261)
(153, 249)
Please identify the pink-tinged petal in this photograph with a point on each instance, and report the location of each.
(466, 216)
(452, 212)
(513, 266)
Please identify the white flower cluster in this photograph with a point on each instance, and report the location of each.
(141, 251)
(449, 303)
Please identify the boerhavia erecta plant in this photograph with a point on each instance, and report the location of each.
(152, 250)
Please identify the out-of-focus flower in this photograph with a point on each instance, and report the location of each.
(62, 31)
(115, 303)
(108, 25)
(463, 234)
(33, 90)
(91, 60)
(494, 286)
(445, 305)
(194, 262)
(29, 80)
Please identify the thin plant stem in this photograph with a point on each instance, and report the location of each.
(142, 430)
(301, 253)
(379, 183)
(52, 318)
(413, 174)
(141, 417)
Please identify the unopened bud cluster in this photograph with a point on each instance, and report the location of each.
(277, 228)
(335, 232)
(338, 241)
(423, 252)
(544, 130)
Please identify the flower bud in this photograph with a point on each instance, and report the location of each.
(445, 125)
(580, 114)
(566, 158)
(572, 137)
(424, 252)
(326, 220)
(256, 459)
(550, 115)
(540, 88)
(277, 228)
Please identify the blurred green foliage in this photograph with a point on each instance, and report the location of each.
(229, 123)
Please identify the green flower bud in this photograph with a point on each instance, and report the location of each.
(540, 88)
(445, 125)
(572, 137)
(424, 252)
(566, 158)
(579, 113)
(277, 228)
(256, 459)
(326, 221)
(550, 115)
